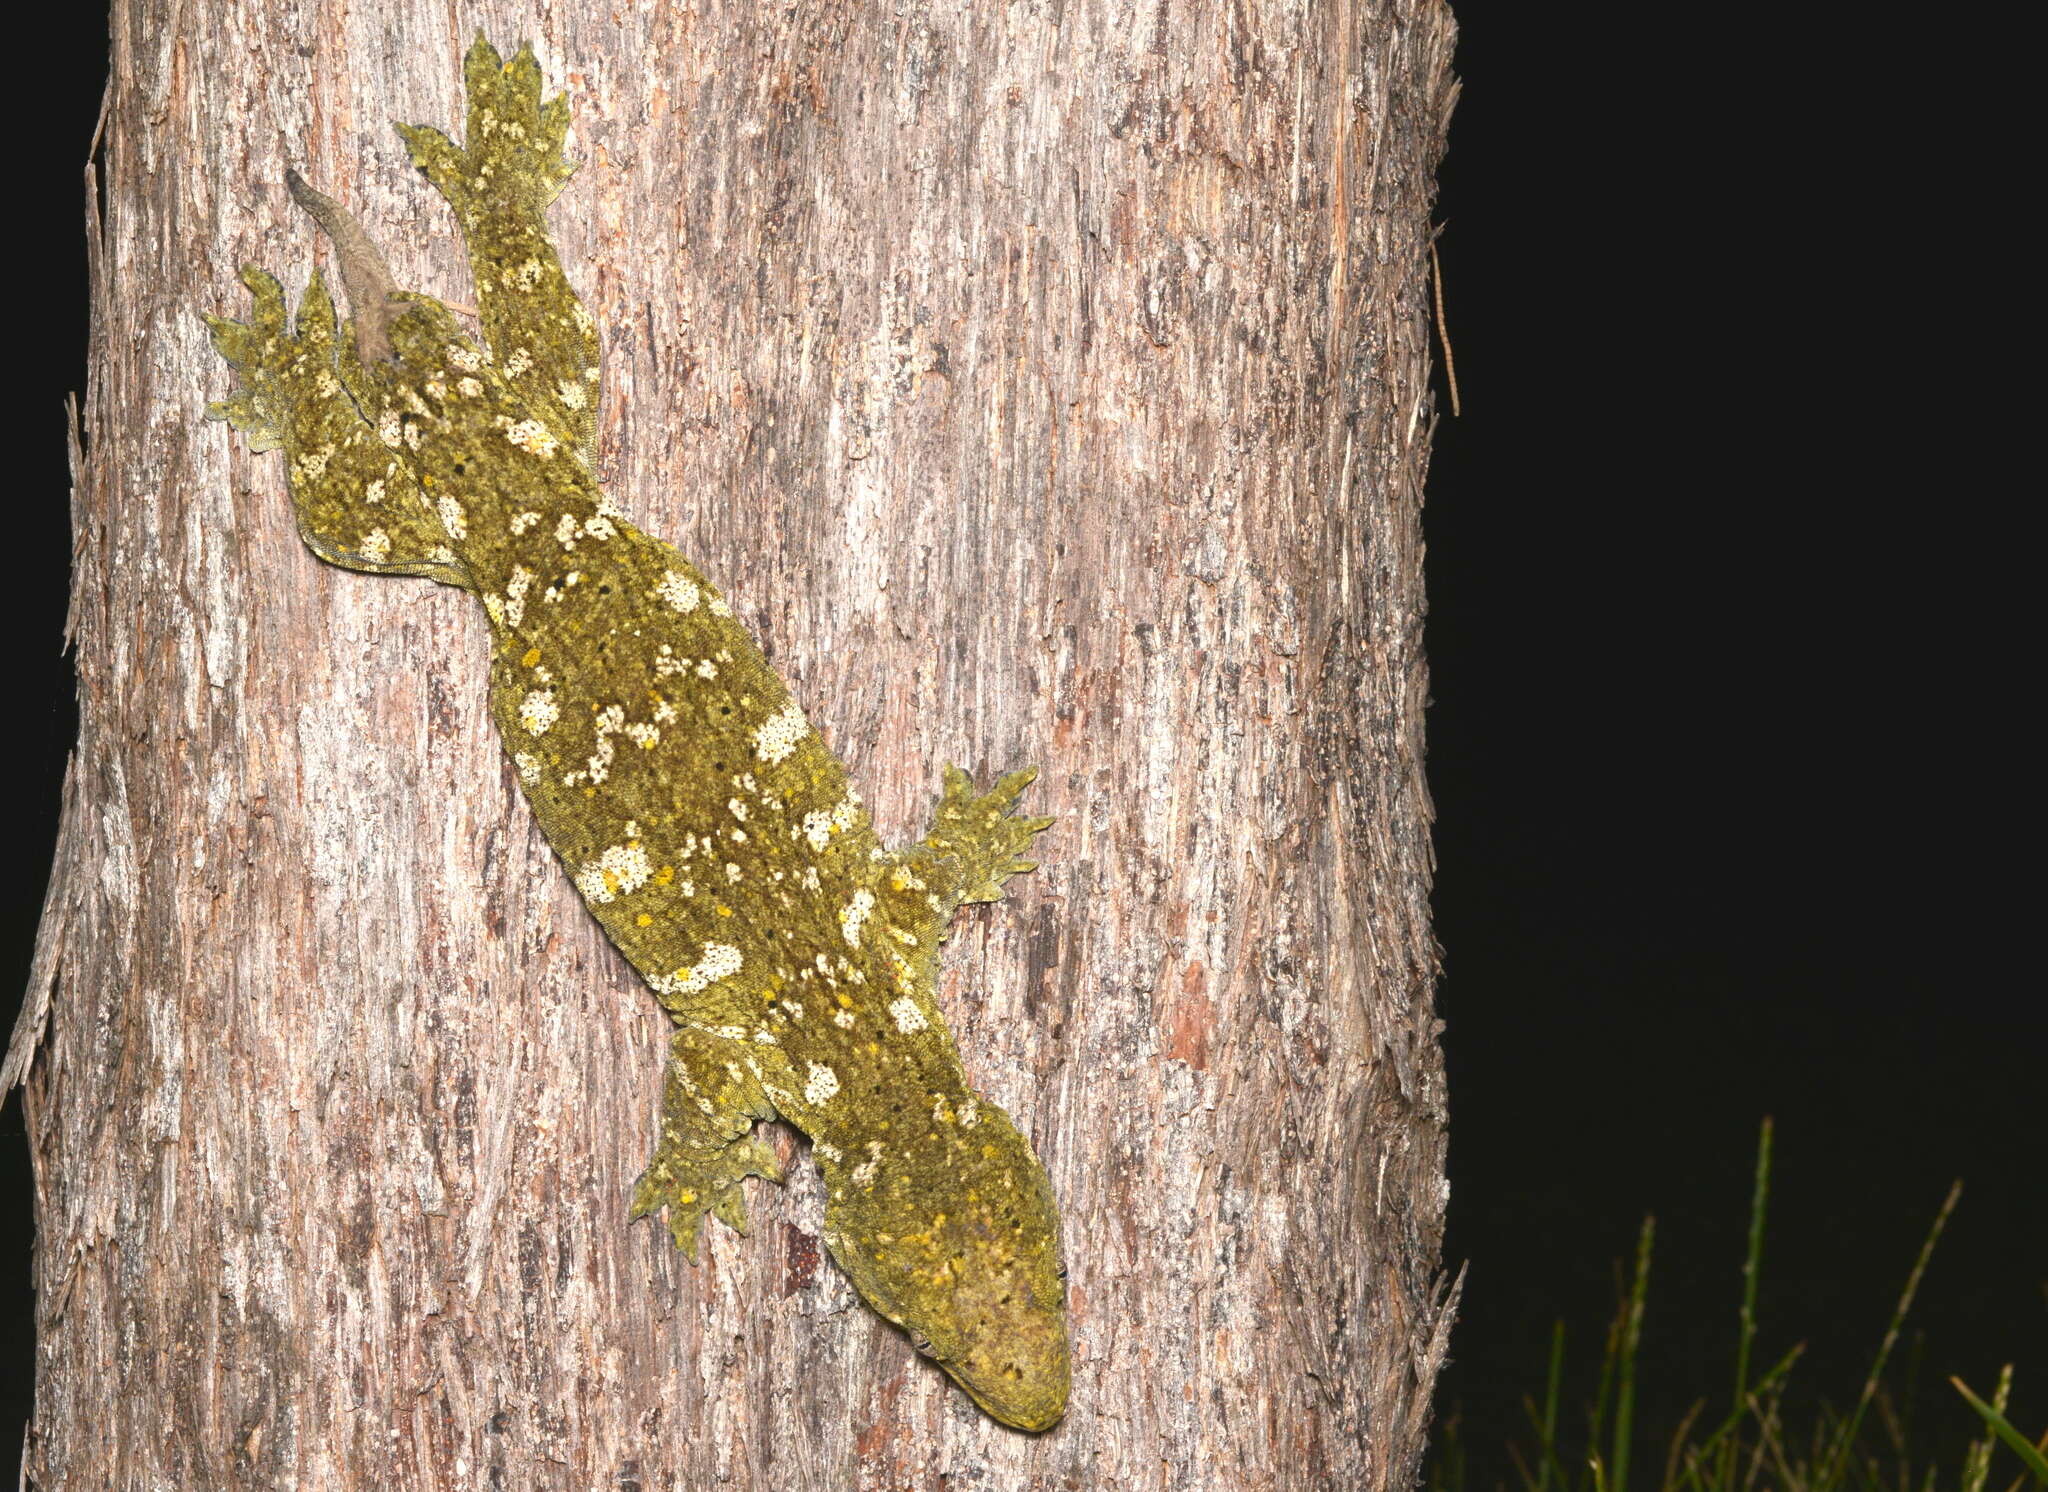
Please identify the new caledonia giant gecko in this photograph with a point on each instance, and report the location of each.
(706, 825)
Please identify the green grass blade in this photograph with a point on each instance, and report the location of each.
(1831, 1468)
(1724, 1433)
(1548, 1429)
(2002, 1428)
(1752, 1263)
(1753, 1260)
(1677, 1450)
(1610, 1357)
(1631, 1337)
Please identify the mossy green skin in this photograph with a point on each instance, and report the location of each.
(705, 823)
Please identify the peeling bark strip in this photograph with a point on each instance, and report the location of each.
(1050, 377)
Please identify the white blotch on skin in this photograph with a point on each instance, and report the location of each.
(908, 1017)
(452, 518)
(821, 1084)
(778, 736)
(621, 869)
(515, 595)
(679, 591)
(854, 915)
(720, 961)
(532, 437)
(538, 711)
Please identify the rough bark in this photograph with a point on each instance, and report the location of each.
(1045, 383)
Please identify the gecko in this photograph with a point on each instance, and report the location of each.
(702, 818)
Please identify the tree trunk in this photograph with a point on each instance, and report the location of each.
(1045, 384)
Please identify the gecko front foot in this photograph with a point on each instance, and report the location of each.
(514, 140)
(981, 832)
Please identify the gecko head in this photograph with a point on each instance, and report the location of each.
(1000, 1330)
(962, 1249)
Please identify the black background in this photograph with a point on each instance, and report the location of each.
(1732, 630)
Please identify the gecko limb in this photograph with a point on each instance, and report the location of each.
(710, 1101)
(357, 504)
(500, 182)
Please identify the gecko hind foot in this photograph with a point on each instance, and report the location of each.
(270, 360)
(690, 1186)
(357, 505)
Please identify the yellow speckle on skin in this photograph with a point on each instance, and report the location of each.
(531, 657)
